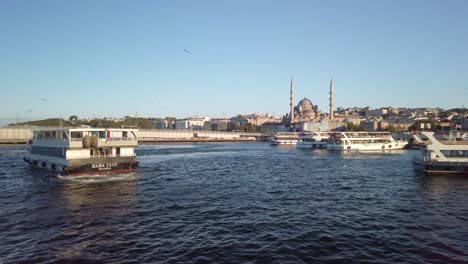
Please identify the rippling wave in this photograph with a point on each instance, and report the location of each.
(235, 203)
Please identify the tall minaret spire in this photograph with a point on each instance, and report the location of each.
(291, 101)
(331, 99)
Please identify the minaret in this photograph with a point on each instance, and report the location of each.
(331, 100)
(291, 101)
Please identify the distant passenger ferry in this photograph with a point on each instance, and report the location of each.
(285, 138)
(77, 151)
(313, 140)
(364, 141)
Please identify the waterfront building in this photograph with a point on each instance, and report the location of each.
(273, 127)
(163, 124)
(193, 123)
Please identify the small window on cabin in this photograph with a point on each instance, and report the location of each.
(76, 134)
(102, 134)
(124, 134)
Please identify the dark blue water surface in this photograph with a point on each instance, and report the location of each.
(235, 203)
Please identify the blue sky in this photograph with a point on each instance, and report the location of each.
(115, 58)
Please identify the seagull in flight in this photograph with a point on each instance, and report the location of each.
(44, 99)
(188, 51)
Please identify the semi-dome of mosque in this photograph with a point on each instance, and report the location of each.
(308, 113)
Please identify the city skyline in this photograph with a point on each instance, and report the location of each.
(175, 58)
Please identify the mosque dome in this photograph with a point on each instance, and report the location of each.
(305, 104)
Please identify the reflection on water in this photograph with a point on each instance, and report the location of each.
(438, 186)
(94, 208)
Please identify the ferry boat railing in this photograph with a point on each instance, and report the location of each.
(120, 138)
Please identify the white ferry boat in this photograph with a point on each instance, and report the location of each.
(313, 140)
(364, 141)
(443, 156)
(77, 151)
(285, 138)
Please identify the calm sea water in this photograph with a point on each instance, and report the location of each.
(235, 203)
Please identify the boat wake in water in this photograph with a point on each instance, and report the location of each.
(90, 178)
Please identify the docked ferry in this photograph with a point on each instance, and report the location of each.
(442, 156)
(78, 151)
(364, 141)
(313, 140)
(285, 138)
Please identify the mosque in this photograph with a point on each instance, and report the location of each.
(307, 117)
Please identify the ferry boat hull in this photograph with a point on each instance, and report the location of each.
(367, 147)
(311, 145)
(277, 143)
(84, 167)
(435, 167)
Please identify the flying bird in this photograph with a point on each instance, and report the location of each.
(44, 99)
(188, 51)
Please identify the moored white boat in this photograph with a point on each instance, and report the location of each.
(443, 156)
(313, 140)
(285, 138)
(364, 141)
(77, 151)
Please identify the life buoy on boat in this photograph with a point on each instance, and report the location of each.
(94, 141)
(86, 141)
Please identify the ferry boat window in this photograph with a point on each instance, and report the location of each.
(124, 134)
(102, 134)
(76, 134)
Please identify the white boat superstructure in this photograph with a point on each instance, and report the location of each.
(443, 156)
(75, 151)
(364, 141)
(313, 140)
(285, 138)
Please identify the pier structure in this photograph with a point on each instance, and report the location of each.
(23, 135)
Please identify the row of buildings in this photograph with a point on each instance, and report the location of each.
(305, 116)
(368, 119)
